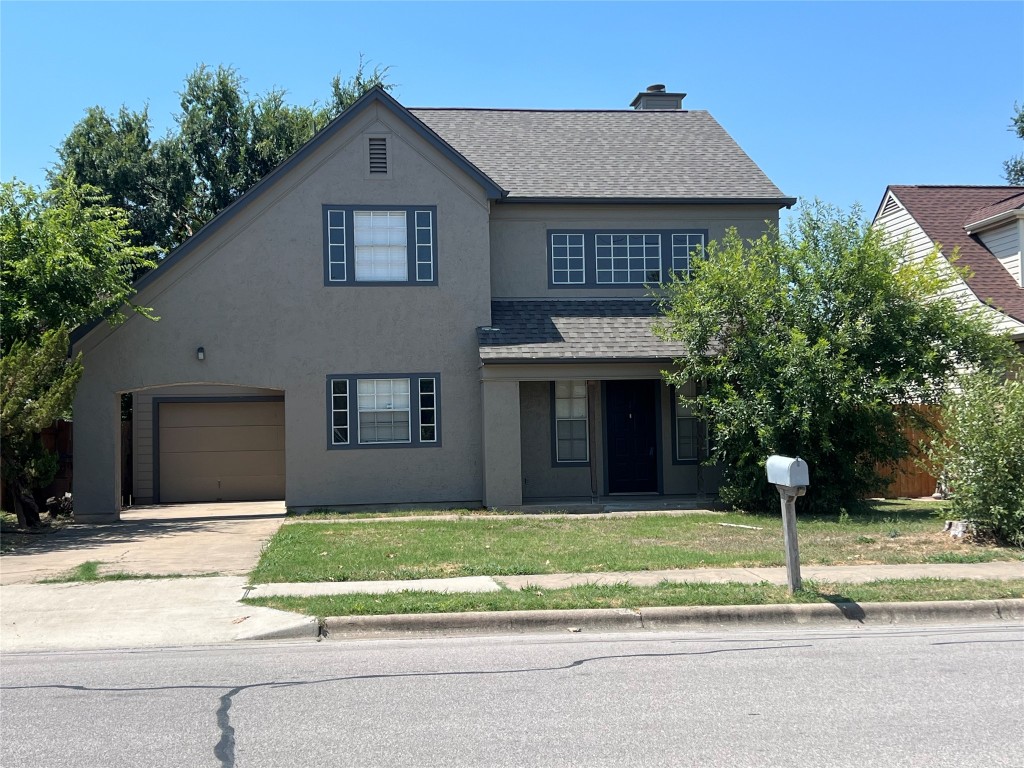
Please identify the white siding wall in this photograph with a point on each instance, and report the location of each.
(1004, 242)
(142, 427)
(900, 225)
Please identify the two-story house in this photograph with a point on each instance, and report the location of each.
(435, 306)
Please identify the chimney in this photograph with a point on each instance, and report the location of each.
(655, 97)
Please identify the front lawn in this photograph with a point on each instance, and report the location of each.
(886, 532)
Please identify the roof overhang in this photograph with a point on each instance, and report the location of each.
(781, 202)
(973, 227)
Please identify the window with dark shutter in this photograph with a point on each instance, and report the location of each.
(378, 155)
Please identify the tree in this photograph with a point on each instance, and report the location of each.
(817, 344)
(225, 141)
(1013, 169)
(66, 261)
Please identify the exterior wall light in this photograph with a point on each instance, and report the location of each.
(200, 353)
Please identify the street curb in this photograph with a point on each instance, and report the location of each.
(306, 626)
(612, 619)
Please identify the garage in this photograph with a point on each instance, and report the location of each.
(219, 450)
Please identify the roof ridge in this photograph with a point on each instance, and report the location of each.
(562, 111)
(959, 186)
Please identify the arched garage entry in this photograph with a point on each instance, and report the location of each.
(196, 443)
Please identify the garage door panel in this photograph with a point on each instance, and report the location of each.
(221, 451)
(218, 464)
(216, 439)
(241, 488)
(221, 414)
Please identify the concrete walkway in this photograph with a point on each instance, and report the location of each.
(226, 539)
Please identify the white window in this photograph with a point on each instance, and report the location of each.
(567, 259)
(380, 246)
(339, 411)
(628, 259)
(692, 436)
(383, 410)
(336, 262)
(686, 248)
(571, 443)
(428, 410)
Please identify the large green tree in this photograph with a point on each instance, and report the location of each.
(65, 260)
(223, 142)
(818, 344)
(1013, 169)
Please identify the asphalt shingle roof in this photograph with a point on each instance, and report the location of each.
(574, 329)
(603, 154)
(943, 212)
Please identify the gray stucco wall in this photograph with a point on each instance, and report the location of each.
(519, 255)
(253, 296)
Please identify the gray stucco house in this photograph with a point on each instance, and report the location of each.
(441, 306)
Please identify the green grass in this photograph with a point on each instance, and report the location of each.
(90, 571)
(341, 514)
(625, 596)
(475, 546)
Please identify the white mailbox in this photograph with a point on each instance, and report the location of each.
(783, 470)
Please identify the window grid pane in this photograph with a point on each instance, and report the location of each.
(424, 246)
(567, 261)
(685, 248)
(336, 257)
(383, 410)
(339, 412)
(628, 259)
(428, 411)
(380, 246)
(571, 443)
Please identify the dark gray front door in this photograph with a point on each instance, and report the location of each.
(631, 410)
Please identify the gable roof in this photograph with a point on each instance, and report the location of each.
(943, 212)
(605, 155)
(548, 330)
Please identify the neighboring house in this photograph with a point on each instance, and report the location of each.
(983, 225)
(441, 306)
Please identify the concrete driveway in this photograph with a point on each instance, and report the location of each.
(220, 538)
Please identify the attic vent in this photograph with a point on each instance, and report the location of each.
(378, 155)
(891, 206)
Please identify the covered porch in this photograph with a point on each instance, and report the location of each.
(576, 409)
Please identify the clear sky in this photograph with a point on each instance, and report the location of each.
(833, 100)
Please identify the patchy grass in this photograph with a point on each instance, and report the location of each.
(625, 596)
(90, 571)
(478, 546)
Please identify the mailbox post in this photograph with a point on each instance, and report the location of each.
(791, 478)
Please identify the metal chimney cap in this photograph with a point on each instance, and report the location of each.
(656, 88)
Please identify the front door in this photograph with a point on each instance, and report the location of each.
(631, 411)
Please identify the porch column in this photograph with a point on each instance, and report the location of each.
(502, 454)
(96, 482)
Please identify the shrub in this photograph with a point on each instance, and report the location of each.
(982, 455)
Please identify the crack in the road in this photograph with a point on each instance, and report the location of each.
(224, 750)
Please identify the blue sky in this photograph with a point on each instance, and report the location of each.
(832, 100)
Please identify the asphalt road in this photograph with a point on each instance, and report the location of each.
(950, 696)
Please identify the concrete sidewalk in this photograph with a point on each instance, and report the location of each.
(839, 574)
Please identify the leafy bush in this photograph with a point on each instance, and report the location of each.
(983, 455)
(818, 344)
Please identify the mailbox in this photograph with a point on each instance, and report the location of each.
(783, 470)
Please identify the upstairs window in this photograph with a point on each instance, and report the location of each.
(380, 245)
(623, 258)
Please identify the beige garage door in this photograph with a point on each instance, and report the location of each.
(221, 451)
